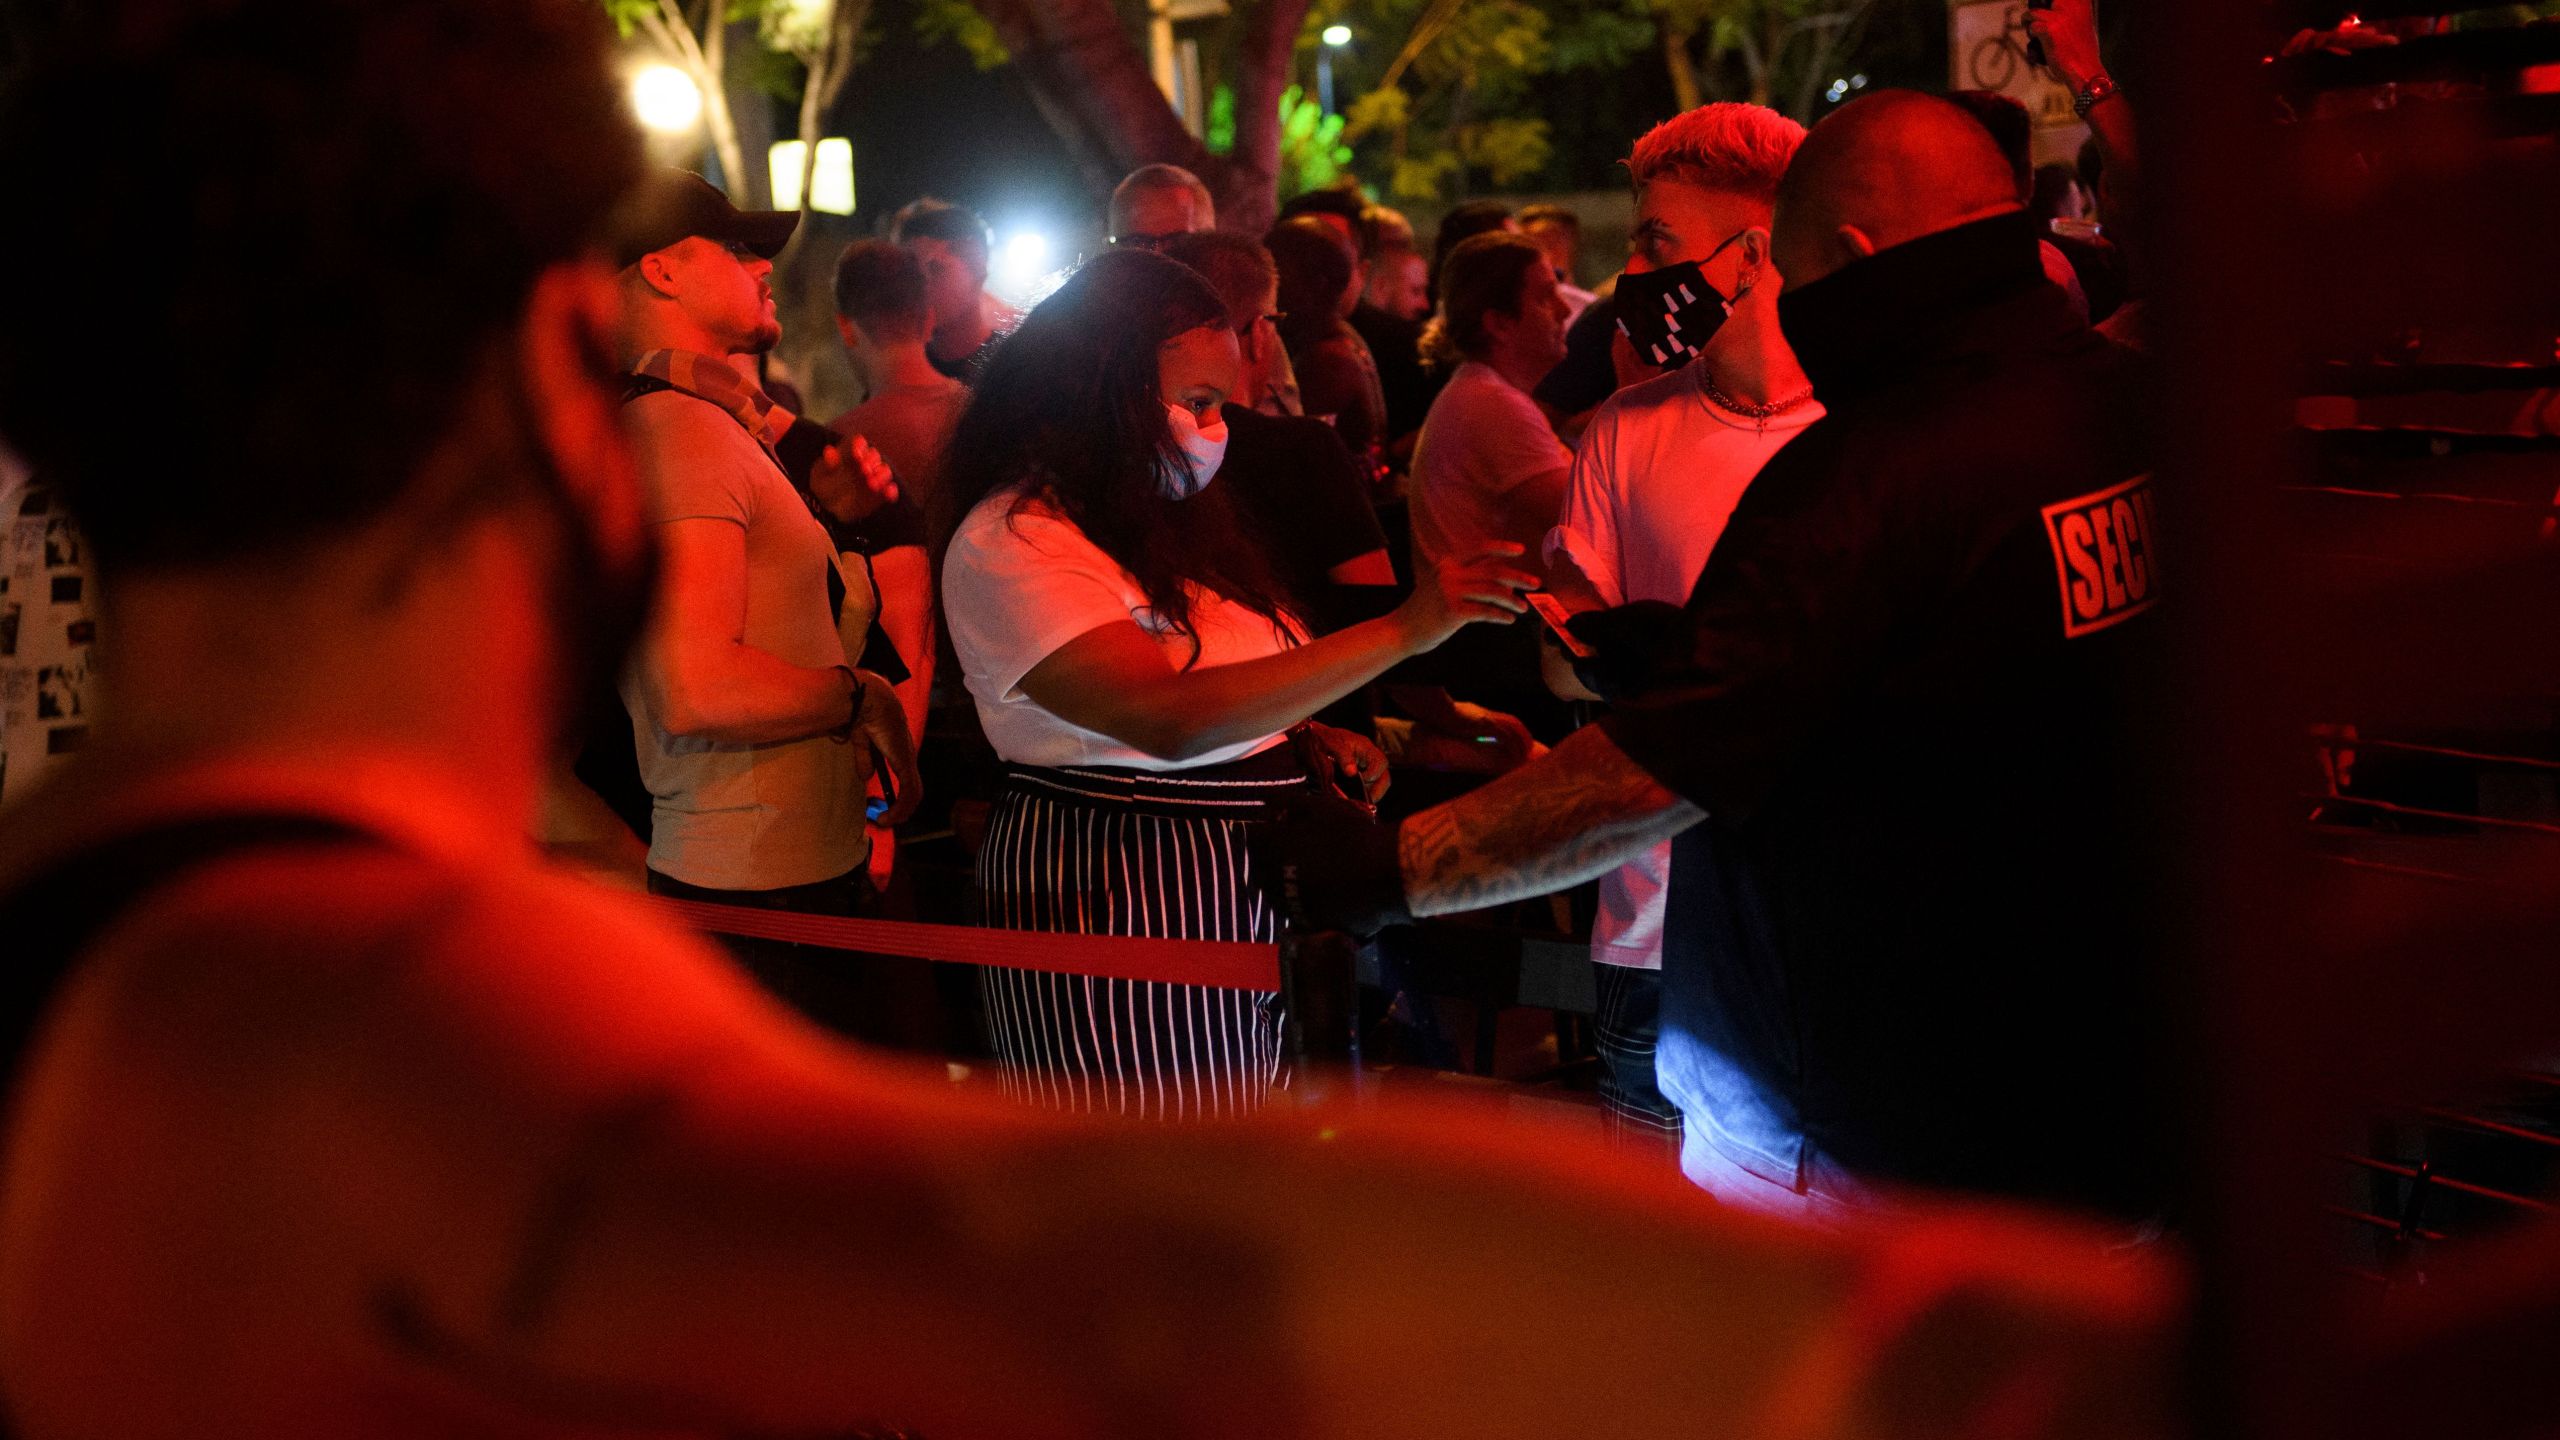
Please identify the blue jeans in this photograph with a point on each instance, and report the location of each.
(1824, 1195)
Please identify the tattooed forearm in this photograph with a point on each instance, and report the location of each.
(1573, 816)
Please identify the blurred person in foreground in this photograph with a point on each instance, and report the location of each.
(908, 409)
(1660, 466)
(1144, 671)
(1897, 731)
(355, 1120)
(951, 242)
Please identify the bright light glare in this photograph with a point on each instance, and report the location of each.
(1020, 272)
(830, 187)
(666, 99)
(1024, 257)
(1337, 35)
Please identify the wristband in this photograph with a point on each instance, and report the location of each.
(856, 698)
(2100, 89)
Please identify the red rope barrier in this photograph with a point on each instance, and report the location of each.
(1224, 964)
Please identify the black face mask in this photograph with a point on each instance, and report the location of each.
(1670, 314)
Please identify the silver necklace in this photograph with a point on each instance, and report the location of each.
(1760, 415)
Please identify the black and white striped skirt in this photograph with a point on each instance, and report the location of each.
(1126, 852)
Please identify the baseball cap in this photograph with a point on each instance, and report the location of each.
(673, 204)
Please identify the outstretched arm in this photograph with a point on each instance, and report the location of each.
(1576, 815)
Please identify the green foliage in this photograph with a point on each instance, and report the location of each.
(625, 14)
(1468, 106)
(1312, 150)
(959, 22)
(795, 27)
(1600, 36)
(1383, 111)
(1776, 52)
(1219, 134)
(1509, 150)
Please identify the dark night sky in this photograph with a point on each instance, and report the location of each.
(924, 120)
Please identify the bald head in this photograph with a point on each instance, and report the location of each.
(1883, 171)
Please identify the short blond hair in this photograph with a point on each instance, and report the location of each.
(1729, 145)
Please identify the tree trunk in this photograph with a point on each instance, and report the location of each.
(1248, 190)
(1093, 85)
(702, 58)
(827, 69)
(746, 187)
(1764, 60)
(1089, 78)
(1684, 71)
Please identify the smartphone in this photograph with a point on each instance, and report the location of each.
(1552, 610)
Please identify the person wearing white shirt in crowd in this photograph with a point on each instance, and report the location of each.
(1658, 472)
(1139, 669)
(1489, 469)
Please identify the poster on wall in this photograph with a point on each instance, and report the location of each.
(1987, 50)
(47, 634)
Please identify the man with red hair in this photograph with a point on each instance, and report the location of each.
(1660, 466)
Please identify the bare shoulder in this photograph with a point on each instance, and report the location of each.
(362, 949)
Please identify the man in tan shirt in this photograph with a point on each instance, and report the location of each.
(755, 736)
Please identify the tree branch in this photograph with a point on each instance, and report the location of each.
(1675, 58)
(1090, 82)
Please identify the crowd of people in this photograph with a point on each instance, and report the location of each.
(1789, 585)
(1223, 512)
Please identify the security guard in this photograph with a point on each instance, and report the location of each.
(1903, 947)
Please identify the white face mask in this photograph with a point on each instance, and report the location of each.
(1204, 446)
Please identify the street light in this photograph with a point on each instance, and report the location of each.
(1335, 37)
(666, 99)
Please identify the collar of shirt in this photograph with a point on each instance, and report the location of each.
(1976, 288)
(716, 381)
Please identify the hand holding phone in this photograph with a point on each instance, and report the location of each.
(1552, 610)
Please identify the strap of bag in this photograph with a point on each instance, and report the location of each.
(55, 915)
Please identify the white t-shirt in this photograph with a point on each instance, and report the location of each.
(1657, 475)
(1483, 438)
(1016, 587)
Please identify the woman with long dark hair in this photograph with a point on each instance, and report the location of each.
(1137, 667)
